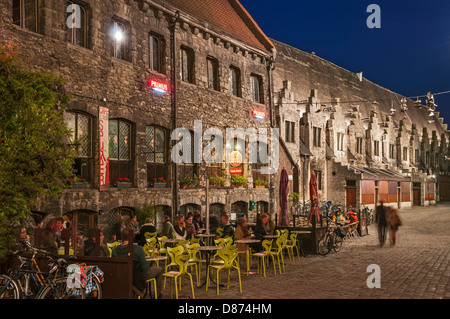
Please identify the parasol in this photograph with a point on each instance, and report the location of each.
(313, 196)
(283, 194)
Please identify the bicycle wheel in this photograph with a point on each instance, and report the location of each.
(57, 290)
(337, 242)
(8, 288)
(323, 246)
(97, 292)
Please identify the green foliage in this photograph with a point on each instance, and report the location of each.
(35, 157)
(149, 210)
(189, 180)
(261, 182)
(217, 180)
(238, 180)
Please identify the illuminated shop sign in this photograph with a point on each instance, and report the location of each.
(159, 87)
(260, 115)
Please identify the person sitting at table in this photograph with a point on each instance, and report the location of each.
(142, 270)
(190, 226)
(243, 233)
(180, 228)
(198, 223)
(228, 230)
(168, 229)
(148, 227)
(89, 245)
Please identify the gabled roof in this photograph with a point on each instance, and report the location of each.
(227, 15)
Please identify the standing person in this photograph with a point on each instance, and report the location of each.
(142, 271)
(167, 230)
(393, 222)
(380, 219)
(180, 228)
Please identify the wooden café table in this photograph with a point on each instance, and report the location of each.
(209, 250)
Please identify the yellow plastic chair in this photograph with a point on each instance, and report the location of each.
(183, 243)
(218, 242)
(229, 256)
(154, 286)
(111, 246)
(181, 261)
(150, 246)
(278, 252)
(291, 246)
(162, 245)
(194, 240)
(194, 260)
(148, 235)
(219, 231)
(263, 256)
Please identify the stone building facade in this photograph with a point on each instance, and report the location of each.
(363, 141)
(155, 66)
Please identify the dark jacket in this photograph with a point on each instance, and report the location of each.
(380, 215)
(146, 228)
(140, 265)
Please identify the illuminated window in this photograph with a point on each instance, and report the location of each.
(120, 40)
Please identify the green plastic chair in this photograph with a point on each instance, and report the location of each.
(263, 256)
(229, 256)
(150, 246)
(181, 261)
(148, 235)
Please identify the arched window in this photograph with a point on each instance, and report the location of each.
(76, 23)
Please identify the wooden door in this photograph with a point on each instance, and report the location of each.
(416, 197)
(351, 197)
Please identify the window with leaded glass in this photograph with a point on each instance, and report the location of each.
(256, 89)
(77, 32)
(156, 144)
(119, 140)
(26, 14)
(235, 81)
(80, 126)
(213, 70)
(155, 49)
(187, 65)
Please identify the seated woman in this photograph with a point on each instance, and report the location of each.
(180, 228)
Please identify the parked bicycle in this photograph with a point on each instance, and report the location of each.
(332, 239)
(28, 281)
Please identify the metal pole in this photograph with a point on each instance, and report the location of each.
(207, 204)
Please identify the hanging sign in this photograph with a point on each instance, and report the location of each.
(236, 170)
(159, 86)
(103, 129)
(235, 158)
(260, 115)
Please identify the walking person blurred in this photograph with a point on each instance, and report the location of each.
(380, 219)
(393, 222)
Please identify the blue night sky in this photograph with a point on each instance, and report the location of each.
(409, 54)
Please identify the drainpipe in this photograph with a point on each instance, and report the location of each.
(173, 27)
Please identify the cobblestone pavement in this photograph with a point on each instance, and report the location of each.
(416, 268)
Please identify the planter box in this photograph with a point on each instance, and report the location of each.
(79, 185)
(124, 185)
(260, 186)
(159, 185)
(188, 186)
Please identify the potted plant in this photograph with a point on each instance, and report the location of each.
(189, 181)
(217, 181)
(159, 182)
(238, 180)
(261, 183)
(123, 182)
(78, 182)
